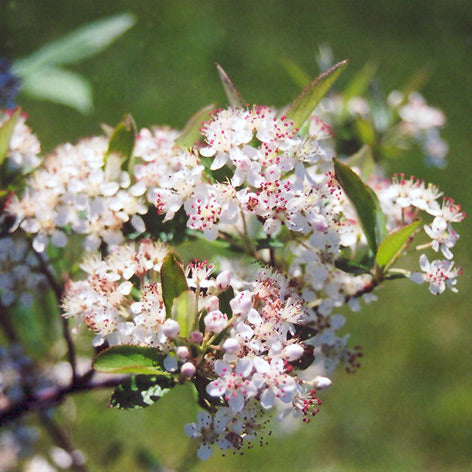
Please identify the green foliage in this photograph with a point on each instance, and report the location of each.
(303, 106)
(191, 132)
(44, 79)
(123, 138)
(232, 93)
(173, 281)
(127, 359)
(365, 202)
(140, 391)
(6, 132)
(184, 311)
(393, 244)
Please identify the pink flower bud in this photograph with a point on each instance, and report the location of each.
(213, 303)
(292, 352)
(171, 328)
(215, 321)
(223, 280)
(187, 369)
(196, 336)
(183, 352)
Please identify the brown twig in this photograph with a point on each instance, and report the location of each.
(53, 396)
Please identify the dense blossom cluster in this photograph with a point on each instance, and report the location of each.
(250, 334)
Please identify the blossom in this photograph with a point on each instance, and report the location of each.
(438, 274)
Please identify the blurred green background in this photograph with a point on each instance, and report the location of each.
(409, 407)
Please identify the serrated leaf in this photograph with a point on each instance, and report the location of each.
(83, 42)
(351, 267)
(394, 243)
(184, 311)
(127, 359)
(60, 86)
(366, 203)
(173, 281)
(232, 93)
(303, 106)
(6, 132)
(140, 391)
(191, 132)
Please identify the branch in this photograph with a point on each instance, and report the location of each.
(53, 396)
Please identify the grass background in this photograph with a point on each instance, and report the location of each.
(409, 408)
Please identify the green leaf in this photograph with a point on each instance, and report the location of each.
(302, 107)
(123, 138)
(173, 281)
(394, 243)
(140, 391)
(184, 311)
(127, 359)
(119, 154)
(60, 86)
(232, 93)
(351, 267)
(6, 132)
(191, 132)
(365, 202)
(83, 42)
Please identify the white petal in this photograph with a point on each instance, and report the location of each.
(267, 399)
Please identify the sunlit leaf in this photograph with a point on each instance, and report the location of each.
(173, 281)
(6, 132)
(303, 106)
(140, 391)
(83, 42)
(60, 86)
(366, 203)
(394, 243)
(191, 132)
(232, 93)
(127, 359)
(184, 310)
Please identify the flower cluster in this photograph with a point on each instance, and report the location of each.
(255, 345)
(398, 123)
(293, 235)
(24, 147)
